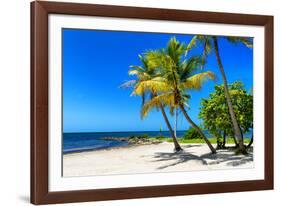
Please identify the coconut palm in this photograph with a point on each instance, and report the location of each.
(177, 77)
(144, 87)
(211, 43)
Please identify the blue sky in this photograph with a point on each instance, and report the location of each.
(96, 63)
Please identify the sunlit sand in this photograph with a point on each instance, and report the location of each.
(152, 158)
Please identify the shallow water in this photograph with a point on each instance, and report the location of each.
(78, 142)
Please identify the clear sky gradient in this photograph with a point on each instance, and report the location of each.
(96, 63)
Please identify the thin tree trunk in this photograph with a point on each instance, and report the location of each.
(241, 133)
(237, 132)
(251, 142)
(176, 144)
(176, 123)
(224, 139)
(219, 143)
(235, 141)
(197, 129)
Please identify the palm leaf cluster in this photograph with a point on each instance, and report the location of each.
(166, 76)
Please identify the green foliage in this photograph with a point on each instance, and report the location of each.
(143, 136)
(165, 76)
(212, 140)
(160, 137)
(191, 133)
(176, 74)
(215, 114)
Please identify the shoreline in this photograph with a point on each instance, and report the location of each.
(122, 139)
(139, 141)
(100, 149)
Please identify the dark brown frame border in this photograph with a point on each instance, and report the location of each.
(39, 102)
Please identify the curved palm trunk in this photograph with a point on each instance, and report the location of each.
(176, 122)
(237, 132)
(197, 129)
(177, 146)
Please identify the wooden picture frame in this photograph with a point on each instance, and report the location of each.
(40, 193)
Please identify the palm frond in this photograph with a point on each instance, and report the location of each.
(175, 49)
(206, 42)
(207, 48)
(164, 99)
(191, 44)
(138, 68)
(128, 84)
(133, 72)
(153, 85)
(143, 60)
(140, 75)
(189, 66)
(155, 58)
(244, 40)
(196, 81)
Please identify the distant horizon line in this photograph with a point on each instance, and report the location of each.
(127, 131)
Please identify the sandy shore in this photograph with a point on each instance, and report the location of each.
(151, 158)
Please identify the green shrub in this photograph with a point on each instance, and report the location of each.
(191, 133)
(160, 137)
(143, 136)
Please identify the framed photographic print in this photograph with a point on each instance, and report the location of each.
(133, 102)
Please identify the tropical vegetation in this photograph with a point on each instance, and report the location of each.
(145, 75)
(210, 43)
(215, 115)
(167, 75)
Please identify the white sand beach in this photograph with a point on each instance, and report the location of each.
(151, 158)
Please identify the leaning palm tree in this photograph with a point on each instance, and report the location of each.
(178, 74)
(146, 85)
(211, 43)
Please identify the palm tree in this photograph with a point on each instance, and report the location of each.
(143, 87)
(211, 43)
(177, 76)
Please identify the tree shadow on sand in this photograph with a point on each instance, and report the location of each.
(223, 156)
(180, 157)
(229, 157)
